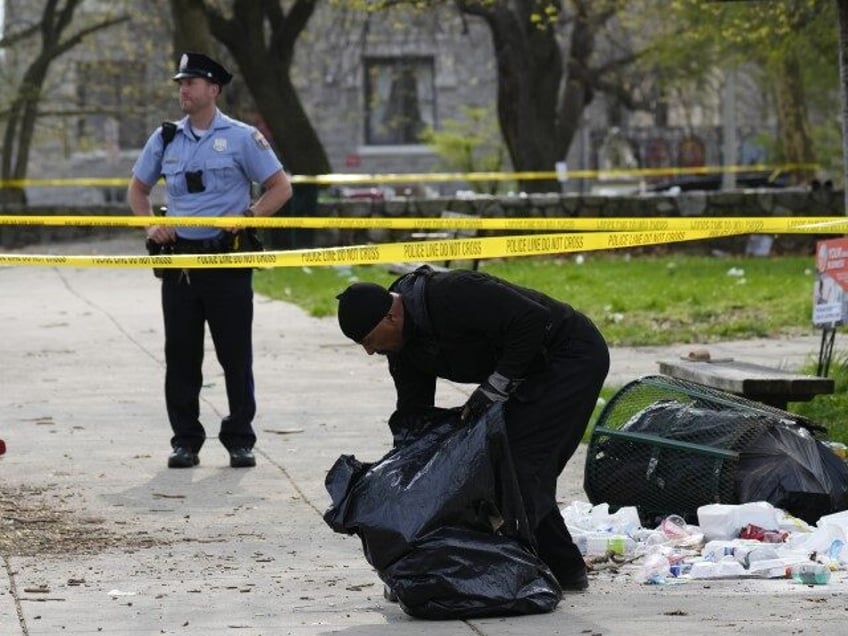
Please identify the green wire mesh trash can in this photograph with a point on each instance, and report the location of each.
(667, 446)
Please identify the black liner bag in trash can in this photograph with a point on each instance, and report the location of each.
(441, 519)
(669, 458)
(792, 470)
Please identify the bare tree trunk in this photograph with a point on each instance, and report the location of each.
(843, 74)
(530, 66)
(542, 94)
(31, 93)
(793, 122)
(261, 38)
(191, 30)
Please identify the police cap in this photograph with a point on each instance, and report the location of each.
(200, 65)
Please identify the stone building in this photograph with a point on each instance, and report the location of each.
(370, 85)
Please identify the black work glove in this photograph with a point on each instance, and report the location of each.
(495, 389)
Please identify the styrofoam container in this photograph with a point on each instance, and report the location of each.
(758, 513)
(718, 522)
(724, 521)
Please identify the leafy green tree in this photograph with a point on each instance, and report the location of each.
(470, 144)
(792, 42)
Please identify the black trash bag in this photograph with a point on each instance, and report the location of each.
(790, 469)
(439, 512)
(460, 574)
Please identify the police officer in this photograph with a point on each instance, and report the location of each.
(209, 162)
(543, 359)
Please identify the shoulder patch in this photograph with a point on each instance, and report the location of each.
(260, 140)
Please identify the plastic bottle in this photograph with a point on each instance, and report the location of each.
(751, 554)
(603, 543)
(716, 550)
(810, 573)
(674, 528)
(655, 569)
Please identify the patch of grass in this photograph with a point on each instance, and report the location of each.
(830, 410)
(677, 299)
(637, 301)
(315, 289)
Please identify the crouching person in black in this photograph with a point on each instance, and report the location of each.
(546, 361)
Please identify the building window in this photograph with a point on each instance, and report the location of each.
(109, 93)
(400, 100)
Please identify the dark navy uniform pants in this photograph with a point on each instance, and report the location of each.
(545, 419)
(223, 299)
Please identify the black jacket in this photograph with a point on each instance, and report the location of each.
(463, 325)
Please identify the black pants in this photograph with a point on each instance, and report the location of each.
(545, 421)
(223, 299)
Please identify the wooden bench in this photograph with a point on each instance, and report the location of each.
(774, 387)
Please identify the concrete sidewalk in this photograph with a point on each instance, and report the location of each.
(109, 541)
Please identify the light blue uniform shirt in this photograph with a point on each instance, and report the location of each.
(231, 155)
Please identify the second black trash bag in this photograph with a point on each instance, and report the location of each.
(441, 519)
(790, 469)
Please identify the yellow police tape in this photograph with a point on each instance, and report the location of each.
(737, 225)
(432, 177)
(587, 234)
(415, 251)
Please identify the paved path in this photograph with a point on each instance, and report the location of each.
(130, 547)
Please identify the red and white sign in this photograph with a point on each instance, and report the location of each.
(830, 295)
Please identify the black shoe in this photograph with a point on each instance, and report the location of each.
(182, 457)
(242, 458)
(575, 583)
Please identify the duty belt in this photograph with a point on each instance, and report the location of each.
(217, 245)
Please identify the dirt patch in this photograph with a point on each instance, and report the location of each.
(37, 521)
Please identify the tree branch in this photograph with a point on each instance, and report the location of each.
(13, 38)
(71, 42)
(287, 29)
(222, 28)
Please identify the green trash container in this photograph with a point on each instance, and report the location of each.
(667, 446)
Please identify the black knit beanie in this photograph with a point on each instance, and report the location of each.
(361, 308)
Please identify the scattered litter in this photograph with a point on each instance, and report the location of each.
(699, 354)
(117, 593)
(810, 574)
(750, 540)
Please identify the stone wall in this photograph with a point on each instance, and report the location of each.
(746, 203)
